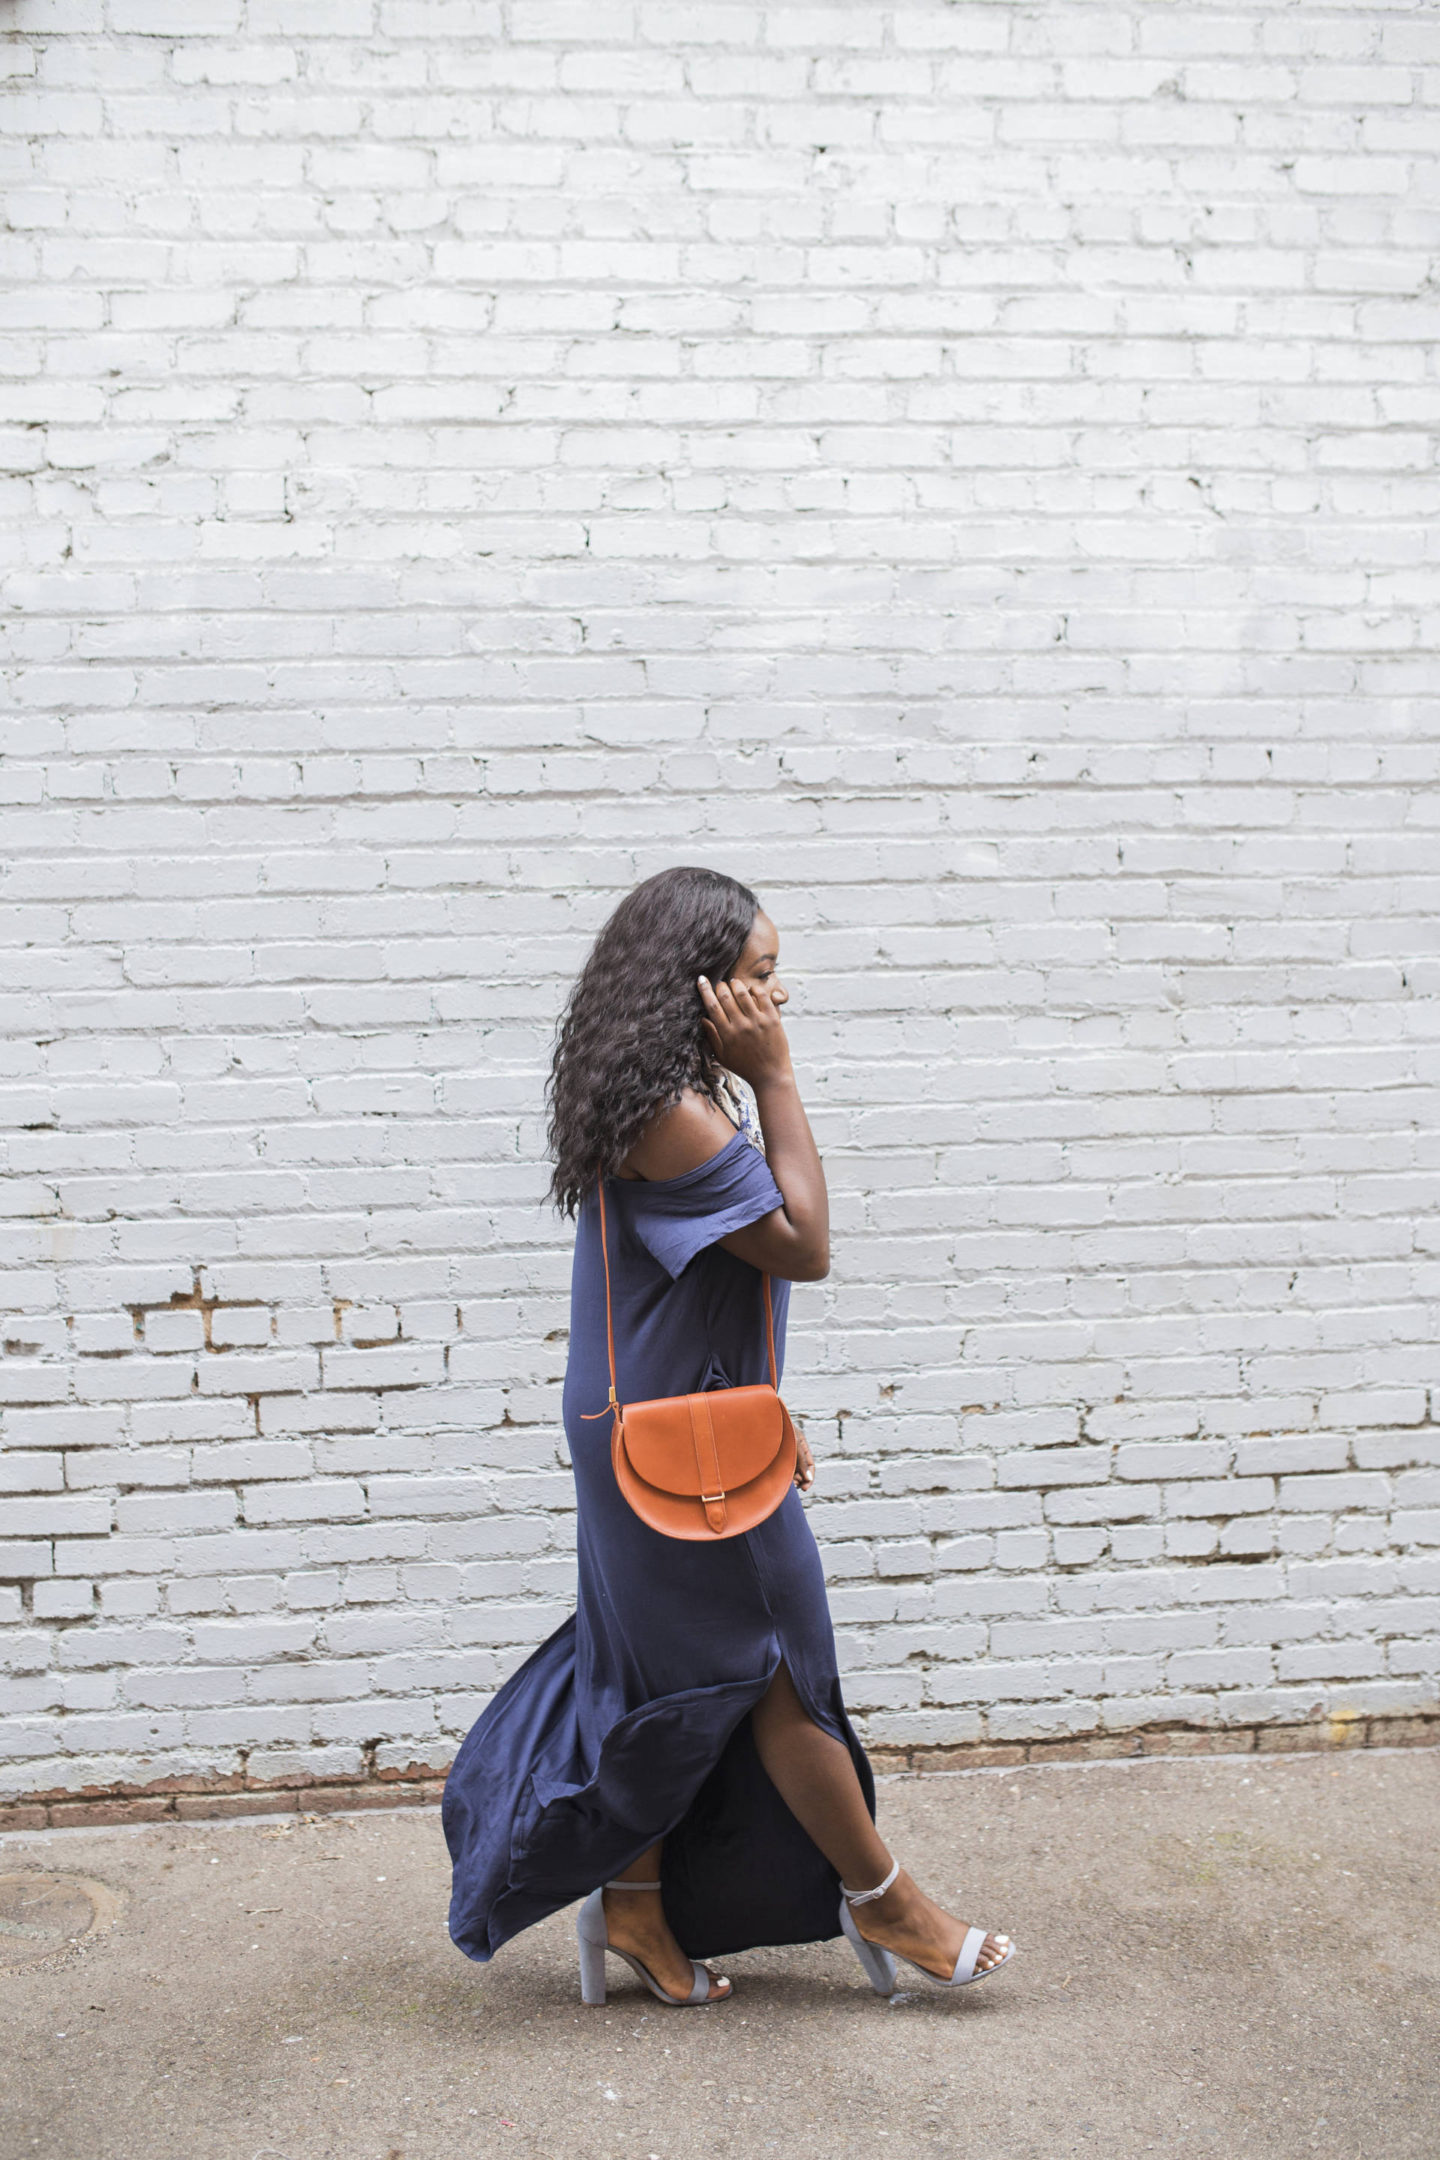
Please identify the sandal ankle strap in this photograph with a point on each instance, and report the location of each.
(632, 1886)
(863, 1897)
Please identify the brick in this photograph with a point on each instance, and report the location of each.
(400, 1367)
(1219, 1496)
(218, 1807)
(87, 1467)
(322, 1501)
(1270, 1454)
(1062, 1466)
(33, 1473)
(1101, 1503)
(1374, 1406)
(63, 1600)
(1039, 1428)
(21, 1815)
(1323, 1660)
(1250, 1667)
(1368, 1489)
(98, 1814)
(341, 1799)
(1172, 1459)
(252, 1641)
(276, 1372)
(58, 1515)
(21, 1382)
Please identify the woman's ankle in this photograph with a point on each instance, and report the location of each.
(644, 1906)
(904, 1905)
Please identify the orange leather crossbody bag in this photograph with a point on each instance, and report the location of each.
(700, 1466)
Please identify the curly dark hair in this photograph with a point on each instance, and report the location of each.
(630, 1041)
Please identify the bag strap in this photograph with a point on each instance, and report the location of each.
(614, 1404)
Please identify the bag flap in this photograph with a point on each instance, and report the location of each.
(669, 1441)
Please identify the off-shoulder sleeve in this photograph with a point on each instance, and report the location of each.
(675, 1218)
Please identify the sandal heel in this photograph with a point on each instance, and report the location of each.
(878, 1964)
(592, 1952)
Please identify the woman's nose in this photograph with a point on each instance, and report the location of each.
(779, 993)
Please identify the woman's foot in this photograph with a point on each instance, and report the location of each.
(635, 1921)
(907, 1921)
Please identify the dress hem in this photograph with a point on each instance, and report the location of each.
(569, 1817)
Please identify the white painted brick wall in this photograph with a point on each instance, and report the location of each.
(969, 470)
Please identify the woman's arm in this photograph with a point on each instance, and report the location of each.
(748, 1035)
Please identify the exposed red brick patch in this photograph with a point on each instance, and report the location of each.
(192, 1799)
(208, 1807)
(91, 1814)
(23, 1818)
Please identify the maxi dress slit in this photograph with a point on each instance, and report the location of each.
(631, 1722)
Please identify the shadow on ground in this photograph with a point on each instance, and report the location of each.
(1231, 1956)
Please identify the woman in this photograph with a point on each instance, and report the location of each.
(678, 1753)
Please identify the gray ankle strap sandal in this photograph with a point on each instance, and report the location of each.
(594, 1939)
(879, 1964)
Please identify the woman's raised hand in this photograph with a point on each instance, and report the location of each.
(743, 1027)
(745, 1031)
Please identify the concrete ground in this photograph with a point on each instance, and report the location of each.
(1228, 1956)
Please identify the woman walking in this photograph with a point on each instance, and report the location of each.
(677, 1753)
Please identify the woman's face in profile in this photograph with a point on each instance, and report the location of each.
(759, 963)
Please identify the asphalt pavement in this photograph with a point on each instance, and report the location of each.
(1230, 1956)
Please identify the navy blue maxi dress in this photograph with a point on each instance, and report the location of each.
(631, 1721)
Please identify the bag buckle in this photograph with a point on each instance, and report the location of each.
(712, 1495)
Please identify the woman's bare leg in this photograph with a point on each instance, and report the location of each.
(635, 1921)
(816, 1779)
